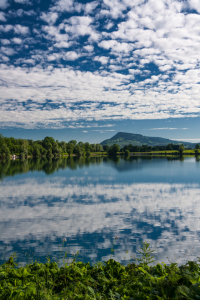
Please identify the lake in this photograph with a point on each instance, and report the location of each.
(90, 201)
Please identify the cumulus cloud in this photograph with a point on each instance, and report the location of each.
(17, 41)
(67, 5)
(2, 17)
(50, 17)
(7, 50)
(194, 4)
(71, 55)
(21, 29)
(102, 59)
(6, 28)
(23, 1)
(89, 7)
(4, 4)
(148, 54)
(5, 42)
(65, 86)
(81, 26)
(89, 48)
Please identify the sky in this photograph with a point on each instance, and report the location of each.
(88, 69)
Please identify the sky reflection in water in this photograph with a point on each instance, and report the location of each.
(90, 201)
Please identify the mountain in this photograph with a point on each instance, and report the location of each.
(124, 138)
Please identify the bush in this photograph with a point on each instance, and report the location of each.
(88, 153)
(127, 152)
(104, 280)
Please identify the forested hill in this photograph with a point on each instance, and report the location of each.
(124, 138)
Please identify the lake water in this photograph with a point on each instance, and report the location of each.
(90, 201)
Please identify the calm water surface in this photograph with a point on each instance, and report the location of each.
(90, 201)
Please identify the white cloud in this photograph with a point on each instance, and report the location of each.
(71, 55)
(8, 51)
(5, 42)
(89, 48)
(113, 8)
(63, 44)
(50, 17)
(21, 29)
(102, 59)
(67, 86)
(147, 33)
(17, 29)
(115, 46)
(190, 140)
(194, 4)
(4, 4)
(2, 17)
(4, 58)
(167, 128)
(67, 5)
(81, 26)
(6, 28)
(17, 40)
(89, 7)
(23, 1)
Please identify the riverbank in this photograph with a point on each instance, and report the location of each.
(167, 152)
(121, 154)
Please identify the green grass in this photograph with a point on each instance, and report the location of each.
(169, 152)
(104, 280)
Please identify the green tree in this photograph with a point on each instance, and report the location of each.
(93, 147)
(127, 153)
(63, 146)
(24, 147)
(36, 151)
(99, 148)
(80, 144)
(74, 142)
(181, 149)
(197, 146)
(78, 150)
(4, 151)
(87, 147)
(169, 147)
(70, 148)
(113, 150)
(49, 152)
(106, 148)
(88, 153)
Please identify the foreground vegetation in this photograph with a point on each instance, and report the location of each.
(107, 280)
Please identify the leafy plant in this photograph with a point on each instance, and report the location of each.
(104, 280)
(146, 252)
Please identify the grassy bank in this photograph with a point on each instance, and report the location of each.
(107, 280)
(167, 152)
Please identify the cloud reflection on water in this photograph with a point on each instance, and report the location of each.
(45, 210)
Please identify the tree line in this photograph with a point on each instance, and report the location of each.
(50, 147)
(47, 147)
(147, 148)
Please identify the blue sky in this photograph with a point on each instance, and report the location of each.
(88, 69)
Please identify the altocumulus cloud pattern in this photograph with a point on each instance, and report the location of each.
(65, 61)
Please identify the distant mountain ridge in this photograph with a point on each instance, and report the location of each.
(125, 138)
